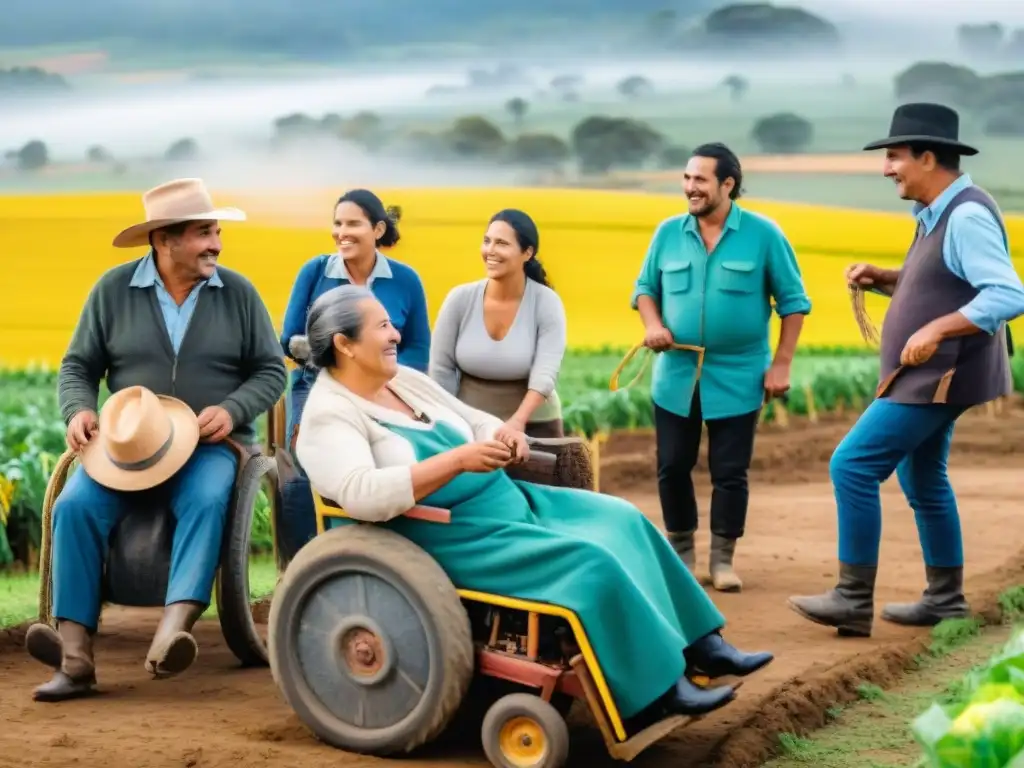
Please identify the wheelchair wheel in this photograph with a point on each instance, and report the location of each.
(369, 641)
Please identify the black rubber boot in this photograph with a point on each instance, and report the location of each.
(850, 607)
(714, 657)
(942, 599)
(685, 698)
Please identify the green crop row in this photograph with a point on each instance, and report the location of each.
(32, 431)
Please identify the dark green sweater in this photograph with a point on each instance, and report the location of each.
(230, 355)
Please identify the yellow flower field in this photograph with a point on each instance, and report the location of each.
(592, 243)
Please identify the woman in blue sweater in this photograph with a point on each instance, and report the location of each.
(361, 227)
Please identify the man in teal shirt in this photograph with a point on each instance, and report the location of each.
(708, 280)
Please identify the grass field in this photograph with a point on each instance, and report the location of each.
(967, 667)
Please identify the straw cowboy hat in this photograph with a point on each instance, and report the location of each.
(172, 203)
(143, 440)
(924, 123)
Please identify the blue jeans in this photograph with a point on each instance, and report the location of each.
(86, 513)
(297, 525)
(914, 441)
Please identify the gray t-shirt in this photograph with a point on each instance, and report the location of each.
(532, 349)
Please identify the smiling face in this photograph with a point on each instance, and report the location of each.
(353, 233)
(374, 354)
(193, 252)
(704, 193)
(908, 173)
(501, 252)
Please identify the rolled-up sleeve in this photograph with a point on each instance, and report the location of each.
(785, 282)
(648, 282)
(976, 251)
(333, 448)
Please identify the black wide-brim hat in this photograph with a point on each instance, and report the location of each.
(923, 123)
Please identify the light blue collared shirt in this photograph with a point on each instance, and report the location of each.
(175, 318)
(336, 269)
(976, 250)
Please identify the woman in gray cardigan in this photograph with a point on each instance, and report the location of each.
(498, 343)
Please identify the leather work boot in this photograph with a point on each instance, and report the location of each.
(849, 607)
(686, 698)
(682, 543)
(942, 599)
(71, 646)
(711, 655)
(174, 649)
(723, 577)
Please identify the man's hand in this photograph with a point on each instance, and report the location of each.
(921, 346)
(863, 274)
(82, 427)
(776, 380)
(658, 338)
(214, 424)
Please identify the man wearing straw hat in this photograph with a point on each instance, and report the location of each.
(190, 354)
(708, 281)
(943, 350)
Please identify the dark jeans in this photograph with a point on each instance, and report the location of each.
(730, 449)
(297, 525)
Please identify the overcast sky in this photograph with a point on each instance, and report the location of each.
(948, 11)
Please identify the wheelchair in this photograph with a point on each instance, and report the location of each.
(138, 563)
(378, 653)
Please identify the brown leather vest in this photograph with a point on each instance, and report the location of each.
(968, 370)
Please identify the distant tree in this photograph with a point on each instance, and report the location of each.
(98, 154)
(783, 133)
(331, 122)
(938, 80)
(981, 40)
(183, 150)
(673, 156)
(539, 149)
(635, 87)
(33, 156)
(475, 136)
(566, 82)
(297, 124)
(1006, 123)
(363, 128)
(602, 143)
(518, 108)
(766, 24)
(737, 86)
(31, 79)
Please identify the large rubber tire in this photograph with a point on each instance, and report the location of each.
(524, 730)
(234, 605)
(358, 580)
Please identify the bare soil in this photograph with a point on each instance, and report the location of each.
(217, 715)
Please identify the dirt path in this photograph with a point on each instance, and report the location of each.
(219, 716)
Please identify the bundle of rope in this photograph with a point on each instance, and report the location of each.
(868, 330)
(613, 383)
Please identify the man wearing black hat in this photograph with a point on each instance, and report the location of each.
(944, 350)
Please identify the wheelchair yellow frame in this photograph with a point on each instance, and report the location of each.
(324, 511)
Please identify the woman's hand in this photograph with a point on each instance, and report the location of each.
(485, 456)
(512, 435)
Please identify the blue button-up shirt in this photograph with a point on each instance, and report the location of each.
(976, 250)
(722, 302)
(176, 318)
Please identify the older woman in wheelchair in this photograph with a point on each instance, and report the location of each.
(378, 439)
